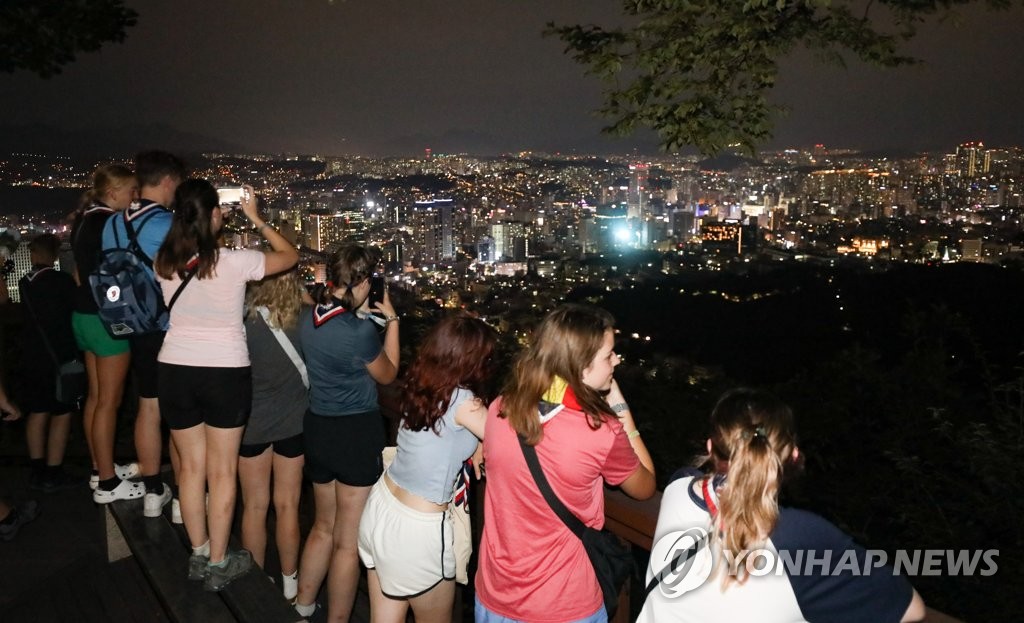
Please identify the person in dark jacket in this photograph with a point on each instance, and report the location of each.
(47, 341)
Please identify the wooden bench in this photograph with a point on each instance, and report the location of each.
(163, 556)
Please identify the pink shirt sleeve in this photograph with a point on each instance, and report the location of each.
(251, 264)
(621, 461)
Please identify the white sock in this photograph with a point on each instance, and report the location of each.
(202, 550)
(290, 585)
(305, 610)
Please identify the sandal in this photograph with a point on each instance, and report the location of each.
(125, 490)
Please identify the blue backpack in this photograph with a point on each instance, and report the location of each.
(127, 296)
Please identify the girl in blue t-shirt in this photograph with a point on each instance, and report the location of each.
(343, 429)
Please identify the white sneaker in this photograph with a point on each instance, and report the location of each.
(153, 504)
(125, 490)
(124, 472)
(176, 512)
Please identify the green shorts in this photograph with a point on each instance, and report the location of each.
(92, 336)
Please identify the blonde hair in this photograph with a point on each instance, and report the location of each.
(280, 294)
(103, 179)
(562, 346)
(752, 443)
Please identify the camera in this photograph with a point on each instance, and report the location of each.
(376, 290)
(230, 195)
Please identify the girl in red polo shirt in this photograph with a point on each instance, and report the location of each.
(563, 400)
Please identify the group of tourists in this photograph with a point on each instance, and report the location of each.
(259, 383)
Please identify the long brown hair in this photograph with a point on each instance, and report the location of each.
(455, 353)
(191, 232)
(562, 346)
(752, 443)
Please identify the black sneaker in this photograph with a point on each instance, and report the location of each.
(236, 564)
(22, 514)
(58, 482)
(198, 566)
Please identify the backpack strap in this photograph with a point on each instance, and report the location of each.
(133, 237)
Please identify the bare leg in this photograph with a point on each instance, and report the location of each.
(35, 434)
(222, 475)
(111, 372)
(287, 486)
(172, 450)
(192, 487)
(435, 605)
(254, 475)
(147, 436)
(384, 609)
(316, 556)
(91, 400)
(57, 439)
(344, 572)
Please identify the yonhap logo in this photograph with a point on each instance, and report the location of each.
(681, 561)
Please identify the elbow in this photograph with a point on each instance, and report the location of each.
(291, 256)
(916, 611)
(641, 485)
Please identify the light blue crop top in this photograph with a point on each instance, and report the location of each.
(427, 463)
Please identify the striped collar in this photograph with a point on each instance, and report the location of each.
(558, 397)
(323, 313)
(36, 271)
(145, 206)
(97, 207)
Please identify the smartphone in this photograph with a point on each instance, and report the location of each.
(376, 290)
(230, 195)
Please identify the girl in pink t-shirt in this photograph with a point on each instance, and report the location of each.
(563, 400)
(205, 384)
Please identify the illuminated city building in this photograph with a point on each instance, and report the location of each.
(972, 159)
(970, 250)
(431, 226)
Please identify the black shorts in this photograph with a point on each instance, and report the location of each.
(345, 448)
(288, 448)
(191, 395)
(145, 349)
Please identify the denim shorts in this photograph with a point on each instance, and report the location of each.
(482, 615)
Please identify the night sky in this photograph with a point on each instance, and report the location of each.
(392, 77)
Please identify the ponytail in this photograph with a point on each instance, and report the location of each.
(348, 266)
(752, 442)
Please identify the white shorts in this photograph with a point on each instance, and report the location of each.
(410, 550)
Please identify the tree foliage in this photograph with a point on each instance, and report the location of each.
(41, 36)
(699, 71)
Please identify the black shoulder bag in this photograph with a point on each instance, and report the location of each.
(613, 563)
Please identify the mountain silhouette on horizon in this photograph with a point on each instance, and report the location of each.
(108, 142)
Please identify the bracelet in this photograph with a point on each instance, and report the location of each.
(619, 407)
(389, 319)
(633, 434)
(259, 229)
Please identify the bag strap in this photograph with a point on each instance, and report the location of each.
(133, 237)
(46, 340)
(184, 282)
(286, 345)
(571, 521)
(674, 564)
